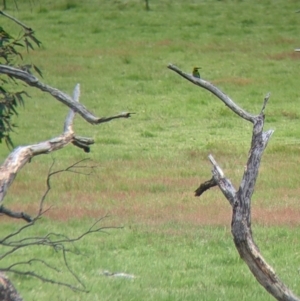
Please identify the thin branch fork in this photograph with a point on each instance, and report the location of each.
(8, 171)
(240, 200)
(12, 243)
(55, 241)
(241, 218)
(22, 155)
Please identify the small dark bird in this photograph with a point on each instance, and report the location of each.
(196, 72)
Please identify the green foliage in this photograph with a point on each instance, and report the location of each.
(10, 55)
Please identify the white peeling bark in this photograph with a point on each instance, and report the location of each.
(23, 154)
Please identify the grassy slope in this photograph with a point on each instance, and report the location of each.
(149, 165)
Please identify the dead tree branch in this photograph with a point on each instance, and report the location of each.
(25, 27)
(57, 242)
(15, 241)
(23, 154)
(240, 200)
(77, 107)
(214, 90)
(15, 214)
(205, 186)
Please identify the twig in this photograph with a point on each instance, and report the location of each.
(14, 214)
(44, 279)
(205, 186)
(29, 262)
(70, 270)
(83, 143)
(53, 240)
(265, 102)
(15, 20)
(71, 168)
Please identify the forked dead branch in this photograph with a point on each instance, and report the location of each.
(12, 72)
(8, 171)
(240, 200)
(23, 154)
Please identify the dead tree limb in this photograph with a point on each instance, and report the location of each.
(60, 243)
(11, 243)
(214, 90)
(8, 171)
(15, 214)
(23, 154)
(205, 186)
(240, 200)
(77, 107)
(33, 267)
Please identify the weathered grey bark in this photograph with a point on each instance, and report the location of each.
(240, 200)
(77, 107)
(7, 290)
(23, 154)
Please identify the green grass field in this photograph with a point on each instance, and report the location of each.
(179, 247)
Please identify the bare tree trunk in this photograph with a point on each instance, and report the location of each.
(240, 200)
(147, 5)
(7, 290)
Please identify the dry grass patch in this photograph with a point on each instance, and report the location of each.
(127, 208)
(284, 55)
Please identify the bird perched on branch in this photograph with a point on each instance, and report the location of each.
(196, 72)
